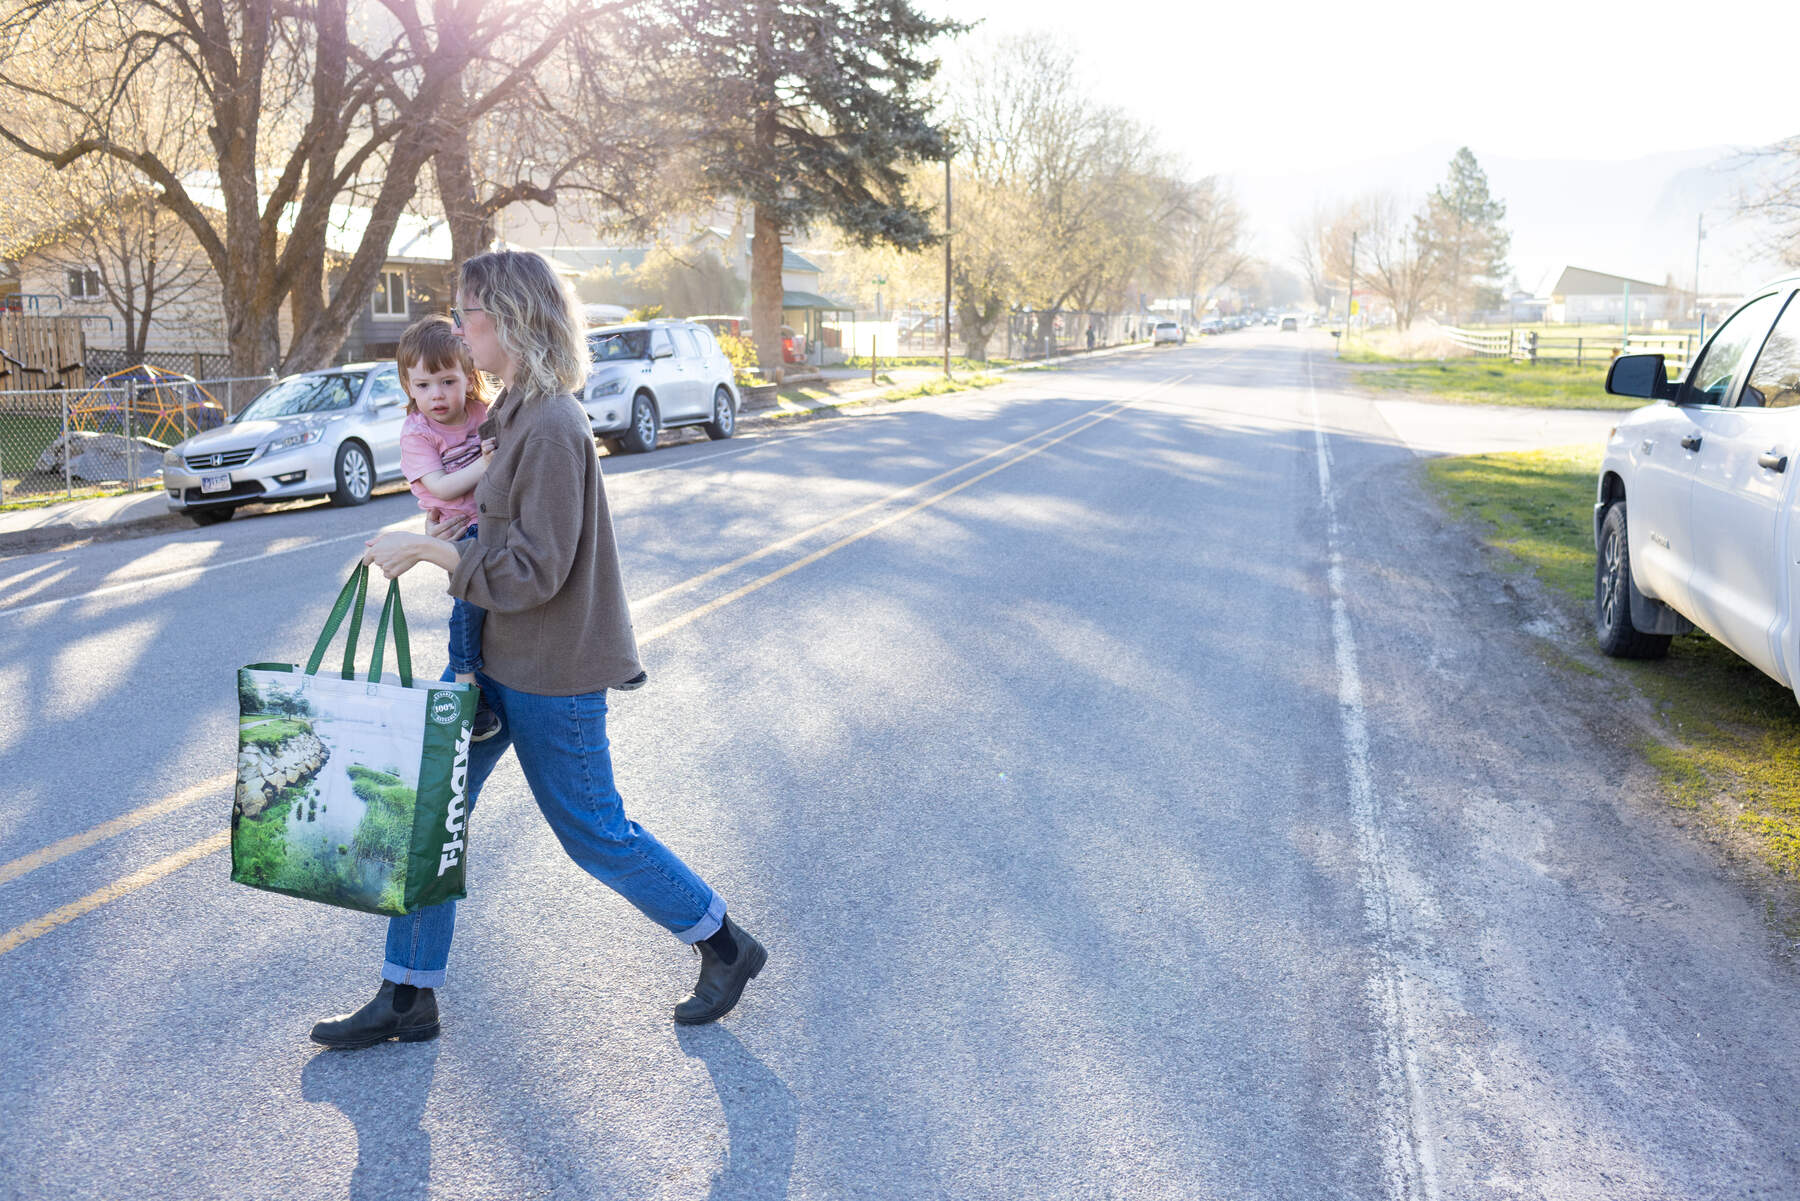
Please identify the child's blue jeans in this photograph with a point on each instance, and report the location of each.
(466, 621)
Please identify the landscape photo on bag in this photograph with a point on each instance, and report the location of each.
(327, 780)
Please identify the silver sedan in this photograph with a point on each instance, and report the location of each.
(329, 433)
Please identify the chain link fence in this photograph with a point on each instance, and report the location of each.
(197, 364)
(66, 443)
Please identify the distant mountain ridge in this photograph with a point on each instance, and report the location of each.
(1633, 217)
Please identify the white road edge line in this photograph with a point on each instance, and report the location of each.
(1410, 1164)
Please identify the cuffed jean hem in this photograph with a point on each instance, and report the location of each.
(706, 927)
(412, 975)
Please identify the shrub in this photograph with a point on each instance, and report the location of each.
(273, 733)
(742, 354)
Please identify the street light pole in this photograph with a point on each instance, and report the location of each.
(1699, 236)
(1349, 297)
(947, 156)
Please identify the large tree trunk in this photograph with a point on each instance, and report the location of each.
(765, 294)
(471, 224)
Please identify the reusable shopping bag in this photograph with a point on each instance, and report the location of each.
(351, 792)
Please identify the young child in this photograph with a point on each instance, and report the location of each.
(443, 458)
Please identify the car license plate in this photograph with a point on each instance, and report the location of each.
(216, 483)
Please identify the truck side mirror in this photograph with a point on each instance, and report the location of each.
(1639, 375)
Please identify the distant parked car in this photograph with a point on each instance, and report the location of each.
(331, 433)
(1290, 324)
(1167, 333)
(651, 376)
(737, 327)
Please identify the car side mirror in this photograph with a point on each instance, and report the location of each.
(388, 402)
(1639, 375)
(662, 352)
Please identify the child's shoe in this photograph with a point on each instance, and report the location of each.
(486, 724)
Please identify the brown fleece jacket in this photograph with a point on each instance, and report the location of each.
(544, 563)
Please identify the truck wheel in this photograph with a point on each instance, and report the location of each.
(1612, 595)
(641, 437)
(724, 422)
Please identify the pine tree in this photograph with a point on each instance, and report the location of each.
(1462, 223)
(808, 110)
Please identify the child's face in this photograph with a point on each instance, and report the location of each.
(441, 395)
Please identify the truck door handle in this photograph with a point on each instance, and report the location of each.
(1772, 461)
(1690, 442)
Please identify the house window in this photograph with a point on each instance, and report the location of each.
(84, 284)
(390, 294)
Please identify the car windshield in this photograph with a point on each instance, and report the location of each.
(625, 344)
(300, 394)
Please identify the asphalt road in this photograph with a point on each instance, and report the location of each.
(1141, 792)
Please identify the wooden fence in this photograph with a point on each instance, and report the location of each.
(41, 352)
(1529, 346)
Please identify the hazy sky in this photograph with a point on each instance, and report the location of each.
(1267, 88)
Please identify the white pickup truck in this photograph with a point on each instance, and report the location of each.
(1694, 520)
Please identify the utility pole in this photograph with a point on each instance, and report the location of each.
(1699, 236)
(1349, 297)
(947, 157)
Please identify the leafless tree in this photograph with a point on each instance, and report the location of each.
(306, 103)
(1086, 183)
(1394, 255)
(1773, 196)
(1210, 245)
(1403, 264)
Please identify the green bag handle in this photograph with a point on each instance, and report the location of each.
(391, 608)
(351, 601)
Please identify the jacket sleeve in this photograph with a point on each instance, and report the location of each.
(536, 551)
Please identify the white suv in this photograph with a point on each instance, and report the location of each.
(1711, 539)
(651, 376)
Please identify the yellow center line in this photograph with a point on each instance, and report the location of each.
(20, 935)
(714, 573)
(118, 825)
(713, 606)
(112, 892)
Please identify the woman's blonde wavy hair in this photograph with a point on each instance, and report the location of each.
(535, 317)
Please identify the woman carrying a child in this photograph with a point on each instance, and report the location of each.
(545, 569)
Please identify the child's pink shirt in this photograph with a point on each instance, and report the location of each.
(426, 446)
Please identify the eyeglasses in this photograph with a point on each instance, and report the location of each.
(456, 315)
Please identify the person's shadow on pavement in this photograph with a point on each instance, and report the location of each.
(383, 1091)
(760, 1117)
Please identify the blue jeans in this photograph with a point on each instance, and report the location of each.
(466, 621)
(561, 745)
